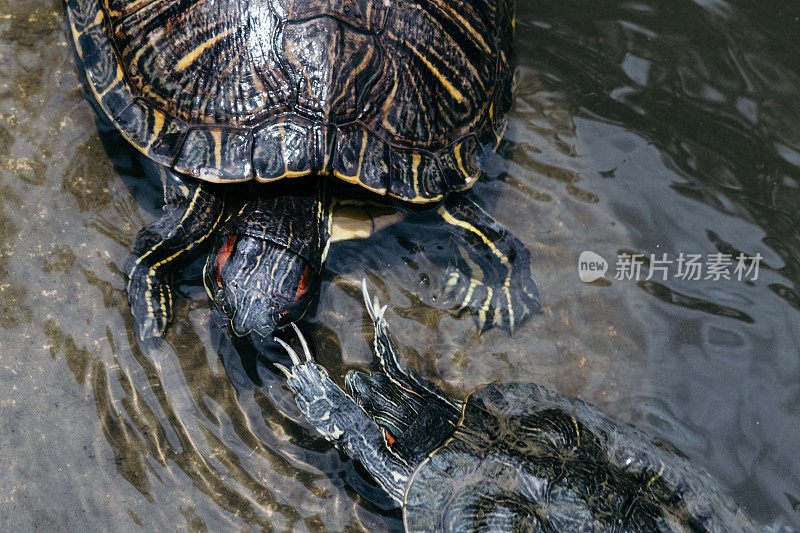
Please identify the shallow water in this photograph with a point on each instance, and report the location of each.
(650, 127)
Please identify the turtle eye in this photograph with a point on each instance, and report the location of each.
(223, 254)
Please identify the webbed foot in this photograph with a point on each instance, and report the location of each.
(192, 211)
(491, 278)
(150, 298)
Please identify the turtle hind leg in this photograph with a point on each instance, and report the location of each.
(191, 212)
(490, 276)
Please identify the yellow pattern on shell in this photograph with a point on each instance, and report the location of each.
(192, 56)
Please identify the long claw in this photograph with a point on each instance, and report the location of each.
(292, 354)
(303, 342)
(373, 305)
(367, 302)
(286, 371)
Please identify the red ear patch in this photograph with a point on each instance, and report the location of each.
(389, 438)
(223, 254)
(302, 287)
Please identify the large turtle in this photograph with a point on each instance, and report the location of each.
(396, 97)
(511, 457)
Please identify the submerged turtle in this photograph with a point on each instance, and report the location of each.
(396, 97)
(511, 457)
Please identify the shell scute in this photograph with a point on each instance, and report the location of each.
(332, 76)
(458, 459)
(366, 15)
(205, 62)
(429, 490)
(284, 149)
(120, 8)
(362, 158)
(434, 85)
(82, 14)
(103, 71)
(152, 131)
(415, 176)
(459, 163)
(216, 154)
(100, 65)
(115, 99)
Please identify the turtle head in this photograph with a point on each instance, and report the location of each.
(259, 285)
(265, 269)
(415, 416)
(413, 423)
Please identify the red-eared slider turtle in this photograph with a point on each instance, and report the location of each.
(511, 457)
(395, 97)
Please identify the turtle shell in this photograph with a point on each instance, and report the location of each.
(524, 458)
(396, 96)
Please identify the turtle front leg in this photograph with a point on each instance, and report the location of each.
(492, 276)
(340, 420)
(192, 210)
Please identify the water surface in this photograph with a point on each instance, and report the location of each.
(649, 127)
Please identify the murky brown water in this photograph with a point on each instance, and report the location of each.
(656, 127)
